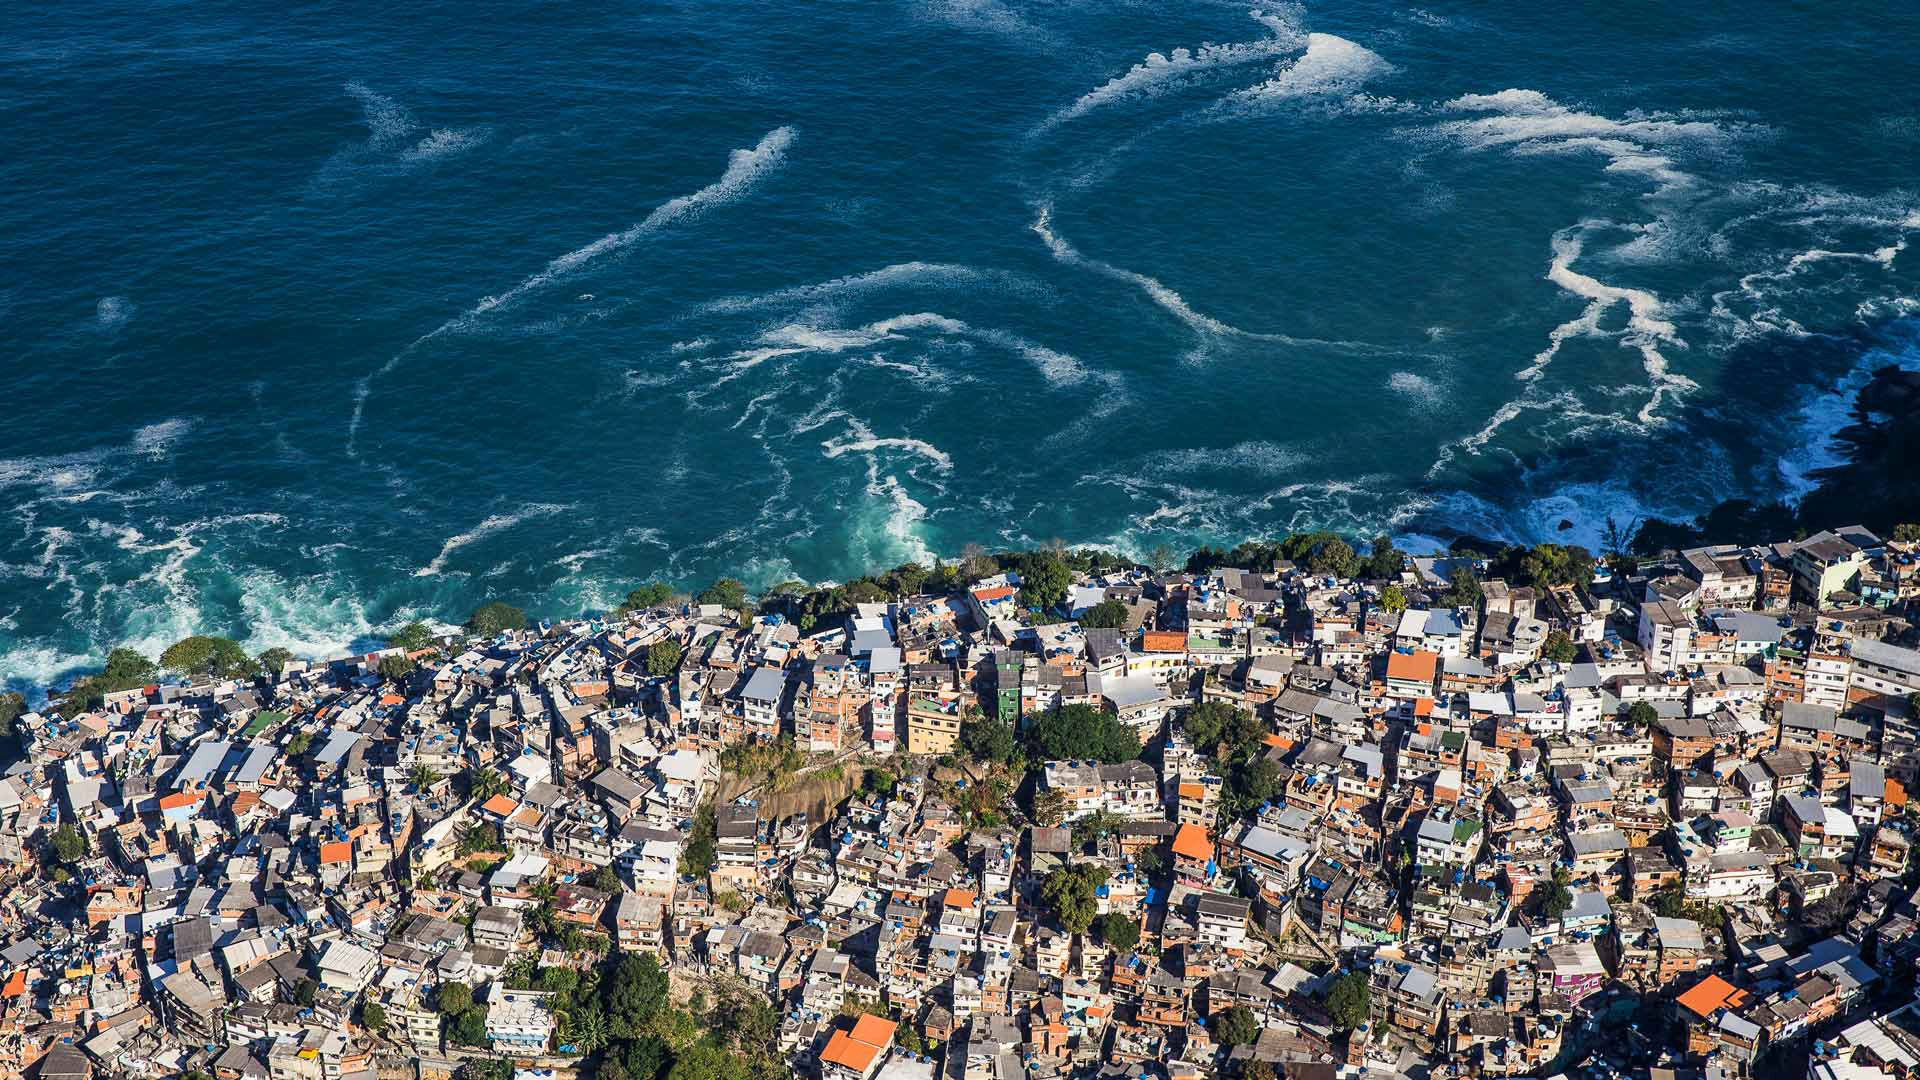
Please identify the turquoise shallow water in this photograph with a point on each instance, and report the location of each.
(320, 318)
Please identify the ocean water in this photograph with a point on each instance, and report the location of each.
(323, 317)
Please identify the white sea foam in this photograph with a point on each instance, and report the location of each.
(1158, 74)
(1257, 455)
(1647, 325)
(388, 122)
(113, 312)
(1056, 367)
(155, 440)
(1201, 323)
(869, 443)
(1421, 389)
(492, 524)
(444, 143)
(1530, 122)
(745, 169)
(898, 275)
(1824, 412)
(1331, 65)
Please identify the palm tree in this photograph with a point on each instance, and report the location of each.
(484, 784)
(422, 778)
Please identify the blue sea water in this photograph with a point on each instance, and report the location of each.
(321, 317)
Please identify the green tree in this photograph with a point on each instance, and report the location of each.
(663, 658)
(1641, 715)
(1237, 1026)
(637, 991)
(1906, 534)
(204, 654)
(1386, 561)
(726, 592)
(422, 777)
(606, 879)
(69, 844)
(1463, 589)
(651, 595)
(1044, 580)
(493, 617)
(1097, 826)
(452, 998)
(484, 784)
(989, 739)
(1117, 932)
(127, 669)
(305, 992)
(1393, 600)
(373, 1017)
(1081, 731)
(1069, 894)
(1559, 648)
(396, 667)
(411, 637)
(1049, 808)
(1552, 564)
(1349, 998)
(469, 1027)
(1558, 897)
(275, 659)
(1221, 731)
(1670, 903)
(907, 579)
(1107, 614)
(298, 743)
(696, 857)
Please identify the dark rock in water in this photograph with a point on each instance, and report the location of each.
(1879, 484)
(1565, 525)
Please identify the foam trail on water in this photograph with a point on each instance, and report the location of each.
(388, 122)
(745, 168)
(940, 458)
(492, 524)
(1206, 326)
(898, 274)
(1057, 368)
(1331, 65)
(1158, 73)
(1647, 325)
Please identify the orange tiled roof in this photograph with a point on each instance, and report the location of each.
(1896, 793)
(1193, 842)
(959, 898)
(849, 1052)
(874, 1030)
(1418, 666)
(995, 593)
(1192, 791)
(1163, 641)
(178, 799)
(337, 852)
(1710, 994)
(500, 805)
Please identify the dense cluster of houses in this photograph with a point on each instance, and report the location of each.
(1653, 817)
